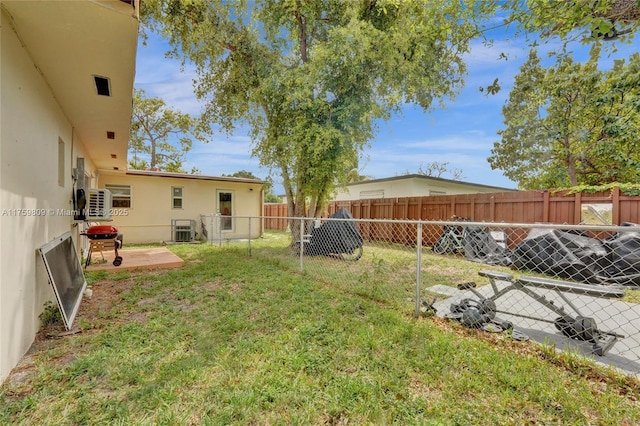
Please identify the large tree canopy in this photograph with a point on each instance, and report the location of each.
(269, 196)
(311, 77)
(161, 136)
(593, 19)
(571, 124)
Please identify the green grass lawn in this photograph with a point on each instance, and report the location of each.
(233, 338)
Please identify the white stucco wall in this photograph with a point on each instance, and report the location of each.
(406, 186)
(30, 195)
(149, 218)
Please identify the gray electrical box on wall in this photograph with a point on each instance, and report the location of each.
(79, 174)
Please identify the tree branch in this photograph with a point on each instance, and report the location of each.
(302, 27)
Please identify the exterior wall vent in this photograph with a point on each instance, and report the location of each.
(103, 85)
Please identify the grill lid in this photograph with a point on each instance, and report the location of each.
(101, 232)
(102, 229)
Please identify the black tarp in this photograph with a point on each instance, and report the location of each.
(485, 246)
(560, 253)
(565, 254)
(581, 258)
(623, 258)
(335, 236)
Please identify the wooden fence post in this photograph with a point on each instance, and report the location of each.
(492, 208)
(577, 208)
(546, 195)
(615, 206)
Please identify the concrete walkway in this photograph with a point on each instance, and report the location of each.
(610, 315)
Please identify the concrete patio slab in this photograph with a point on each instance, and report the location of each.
(148, 258)
(613, 315)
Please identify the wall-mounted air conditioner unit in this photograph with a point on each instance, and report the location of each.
(99, 205)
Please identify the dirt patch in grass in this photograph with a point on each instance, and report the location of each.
(211, 286)
(23, 372)
(103, 298)
(420, 389)
(105, 295)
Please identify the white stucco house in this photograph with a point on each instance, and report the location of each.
(413, 185)
(67, 73)
(153, 207)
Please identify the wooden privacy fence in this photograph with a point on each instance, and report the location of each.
(510, 207)
(276, 216)
(501, 207)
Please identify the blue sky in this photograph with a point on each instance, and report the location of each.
(461, 134)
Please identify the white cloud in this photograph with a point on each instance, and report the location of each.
(472, 140)
(235, 145)
(164, 78)
(474, 167)
(224, 155)
(489, 55)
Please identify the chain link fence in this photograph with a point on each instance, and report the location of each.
(575, 287)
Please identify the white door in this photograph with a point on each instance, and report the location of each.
(225, 209)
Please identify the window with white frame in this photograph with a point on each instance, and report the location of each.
(120, 195)
(176, 197)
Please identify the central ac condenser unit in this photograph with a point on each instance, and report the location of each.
(184, 230)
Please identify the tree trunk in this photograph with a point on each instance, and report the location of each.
(296, 208)
(571, 162)
(152, 162)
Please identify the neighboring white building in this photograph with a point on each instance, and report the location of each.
(67, 74)
(411, 186)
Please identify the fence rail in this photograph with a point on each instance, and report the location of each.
(512, 207)
(573, 286)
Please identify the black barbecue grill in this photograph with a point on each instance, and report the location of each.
(104, 232)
